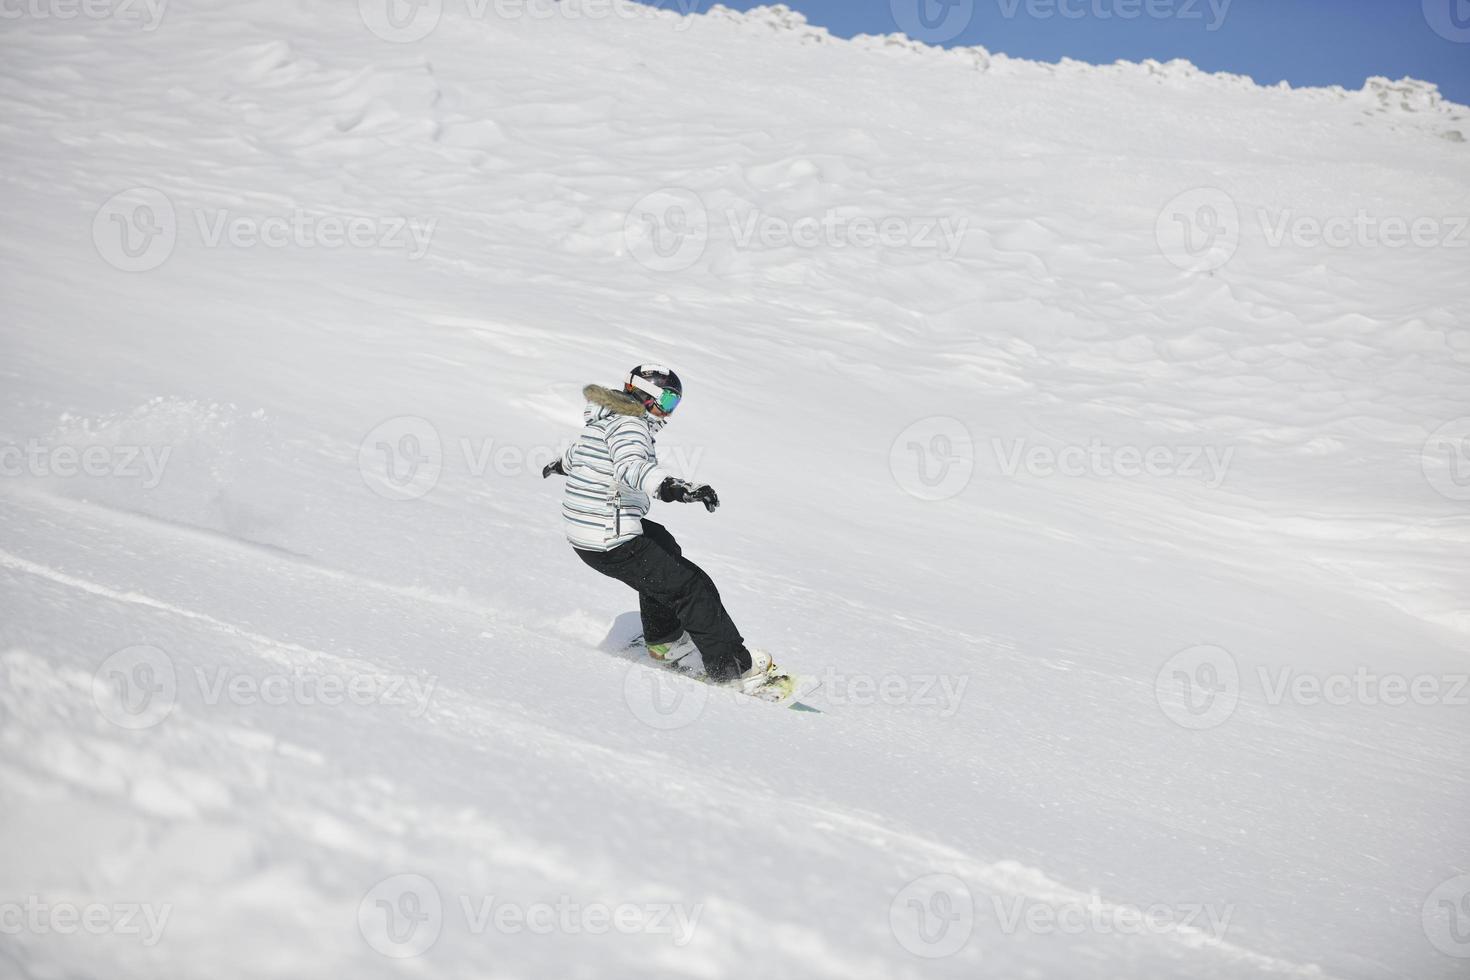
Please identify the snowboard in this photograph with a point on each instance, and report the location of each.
(625, 640)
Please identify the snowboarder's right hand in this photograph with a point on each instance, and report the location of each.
(553, 467)
(674, 491)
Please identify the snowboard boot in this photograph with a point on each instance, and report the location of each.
(761, 673)
(674, 652)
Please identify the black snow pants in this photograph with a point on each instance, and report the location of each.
(675, 595)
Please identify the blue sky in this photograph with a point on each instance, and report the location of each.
(1304, 42)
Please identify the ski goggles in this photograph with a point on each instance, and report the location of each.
(664, 399)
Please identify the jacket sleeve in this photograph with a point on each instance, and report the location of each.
(633, 457)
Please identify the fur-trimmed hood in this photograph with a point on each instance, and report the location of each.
(616, 402)
(605, 402)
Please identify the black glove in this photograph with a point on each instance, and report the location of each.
(553, 467)
(673, 491)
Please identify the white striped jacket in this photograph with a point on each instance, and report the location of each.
(612, 472)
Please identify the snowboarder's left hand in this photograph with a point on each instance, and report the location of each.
(553, 467)
(705, 494)
(682, 492)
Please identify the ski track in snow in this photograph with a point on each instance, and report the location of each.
(501, 753)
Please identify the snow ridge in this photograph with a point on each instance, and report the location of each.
(1378, 94)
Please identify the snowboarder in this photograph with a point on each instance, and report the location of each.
(612, 473)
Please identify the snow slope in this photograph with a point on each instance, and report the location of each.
(298, 678)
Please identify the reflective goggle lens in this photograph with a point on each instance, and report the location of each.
(664, 399)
